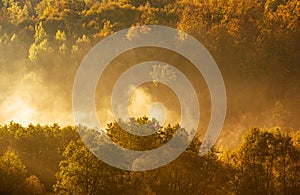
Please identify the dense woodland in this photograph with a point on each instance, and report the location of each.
(39, 159)
(253, 41)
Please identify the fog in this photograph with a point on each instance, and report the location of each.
(32, 94)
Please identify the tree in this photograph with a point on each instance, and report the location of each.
(73, 14)
(15, 12)
(106, 30)
(33, 185)
(123, 138)
(82, 173)
(12, 174)
(266, 162)
(41, 46)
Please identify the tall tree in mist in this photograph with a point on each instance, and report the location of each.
(83, 173)
(267, 162)
(12, 174)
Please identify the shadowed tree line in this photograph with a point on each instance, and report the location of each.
(38, 159)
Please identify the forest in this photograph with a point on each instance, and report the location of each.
(52, 159)
(256, 44)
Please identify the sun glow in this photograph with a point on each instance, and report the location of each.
(21, 112)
